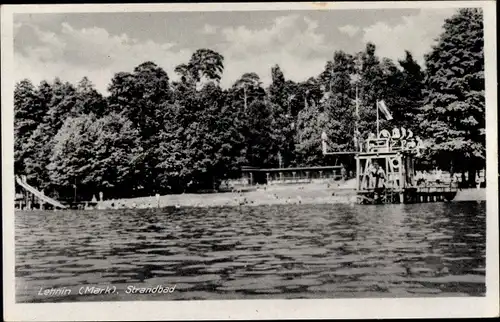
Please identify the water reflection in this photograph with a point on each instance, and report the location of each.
(256, 252)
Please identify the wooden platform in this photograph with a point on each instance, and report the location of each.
(407, 195)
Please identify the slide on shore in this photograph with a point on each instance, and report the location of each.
(40, 195)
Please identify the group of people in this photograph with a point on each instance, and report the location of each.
(436, 176)
(377, 176)
(439, 177)
(400, 137)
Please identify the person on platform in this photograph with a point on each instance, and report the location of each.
(396, 135)
(410, 144)
(403, 133)
(372, 174)
(358, 144)
(403, 138)
(384, 134)
(420, 146)
(369, 141)
(379, 174)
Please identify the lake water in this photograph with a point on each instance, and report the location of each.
(292, 251)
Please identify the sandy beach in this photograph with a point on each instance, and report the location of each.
(311, 193)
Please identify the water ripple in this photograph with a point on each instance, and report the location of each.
(291, 251)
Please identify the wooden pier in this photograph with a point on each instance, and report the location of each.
(385, 173)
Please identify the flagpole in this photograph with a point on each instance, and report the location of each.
(357, 108)
(376, 106)
(356, 131)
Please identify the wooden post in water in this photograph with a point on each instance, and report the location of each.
(42, 203)
(27, 197)
(358, 171)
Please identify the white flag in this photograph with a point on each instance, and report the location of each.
(381, 105)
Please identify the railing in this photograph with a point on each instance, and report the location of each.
(377, 145)
(369, 183)
(299, 177)
(389, 145)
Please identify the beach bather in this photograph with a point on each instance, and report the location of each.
(478, 181)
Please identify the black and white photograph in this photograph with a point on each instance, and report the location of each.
(321, 156)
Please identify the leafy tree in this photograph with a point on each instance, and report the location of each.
(255, 119)
(62, 102)
(140, 96)
(94, 154)
(453, 117)
(143, 97)
(205, 64)
(200, 145)
(280, 98)
(295, 98)
(339, 106)
(55, 103)
(411, 92)
(371, 87)
(327, 76)
(311, 92)
(249, 88)
(27, 111)
(27, 115)
(335, 115)
(310, 124)
(88, 100)
(37, 151)
(277, 90)
(257, 130)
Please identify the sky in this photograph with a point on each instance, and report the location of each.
(98, 45)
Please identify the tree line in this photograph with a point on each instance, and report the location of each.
(154, 135)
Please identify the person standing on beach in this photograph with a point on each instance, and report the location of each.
(438, 176)
(343, 172)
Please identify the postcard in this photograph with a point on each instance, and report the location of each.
(249, 161)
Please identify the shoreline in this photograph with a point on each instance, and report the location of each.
(311, 194)
(265, 195)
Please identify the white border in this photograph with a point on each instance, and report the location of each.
(256, 309)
